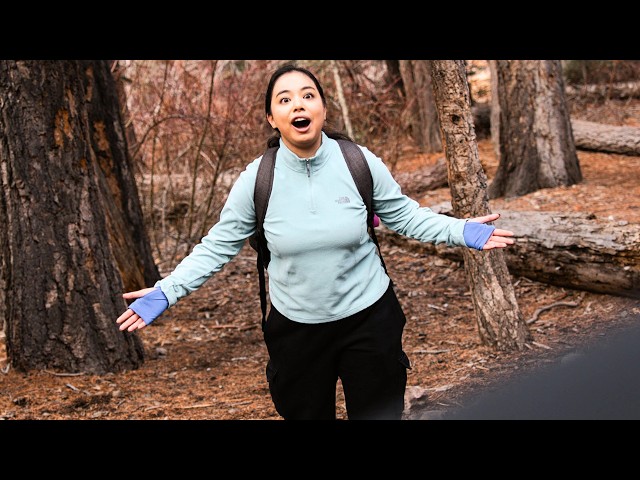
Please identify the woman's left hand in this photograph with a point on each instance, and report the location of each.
(500, 238)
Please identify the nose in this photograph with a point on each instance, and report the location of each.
(297, 102)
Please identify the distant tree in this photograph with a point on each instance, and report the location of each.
(422, 115)
(499, 320)
(394, 77)
(535, 139)
(71, 220)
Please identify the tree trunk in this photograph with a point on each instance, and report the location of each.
(62, 291)
(423, 115)
(606, 138)
(123, 212)
(536, 143)
(393, 75)
(572, 250)
(341, 100)
(500, 322)
(495, 109)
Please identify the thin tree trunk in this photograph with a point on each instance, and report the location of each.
(62, 290)
(536, 142)
(495, 109)
(343, 103)
(499, 320)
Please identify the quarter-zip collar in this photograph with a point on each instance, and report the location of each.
(305, 165)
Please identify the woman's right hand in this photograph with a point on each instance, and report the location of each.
(130, 320)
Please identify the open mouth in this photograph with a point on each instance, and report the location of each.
(301, 122)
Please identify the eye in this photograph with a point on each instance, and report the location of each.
(284, 100)
(308, 96)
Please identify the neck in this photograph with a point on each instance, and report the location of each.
(304, 151)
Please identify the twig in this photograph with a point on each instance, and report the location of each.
(5, 370)
(64, 374)
(542, 345)
(75, 389)
(239, 327)
(537, 313)
(431, 352)
(153, 408)
(206, 405)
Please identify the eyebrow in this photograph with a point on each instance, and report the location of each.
(287, 91)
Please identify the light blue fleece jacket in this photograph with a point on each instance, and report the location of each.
(324, 266)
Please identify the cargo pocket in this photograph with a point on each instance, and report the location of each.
(272, 373)
(405, 365)
(404, 360)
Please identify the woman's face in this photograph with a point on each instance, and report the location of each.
(298, 112)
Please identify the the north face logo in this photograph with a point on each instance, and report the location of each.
(343, 200)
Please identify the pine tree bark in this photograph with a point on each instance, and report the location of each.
(536, 142)
(125, 224)
(423, 115)
(62, 290)
(499, 320)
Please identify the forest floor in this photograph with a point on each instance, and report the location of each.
(205, 358)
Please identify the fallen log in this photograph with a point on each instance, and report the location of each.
(606, 138)
(618, 90)
(425, 179)
(572, 250)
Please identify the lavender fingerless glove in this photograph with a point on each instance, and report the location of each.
(476, 234)
(150, 306)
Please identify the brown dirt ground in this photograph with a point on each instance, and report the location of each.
(206, 356)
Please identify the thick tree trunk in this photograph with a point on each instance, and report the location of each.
(62, 289)
(572, 250)
(422, 113)
(123, 212)
(536, 143)
(500, 322)
(606, 138)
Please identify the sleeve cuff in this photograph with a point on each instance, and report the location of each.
(151, 306)
(476, 234)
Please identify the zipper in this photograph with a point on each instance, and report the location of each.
(312, 206)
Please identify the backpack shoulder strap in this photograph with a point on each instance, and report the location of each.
(361, 174)
(261, 194)
(262, 190)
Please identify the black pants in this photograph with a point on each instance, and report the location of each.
(363, 350)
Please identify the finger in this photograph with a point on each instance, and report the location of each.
(124, 316)
(130, 321)
(501, 239)
(486, 218)
(137, 293)
(503, 233)
(136, 326)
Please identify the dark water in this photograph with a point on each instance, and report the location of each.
(600, 381)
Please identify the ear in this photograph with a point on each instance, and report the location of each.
(271, 122)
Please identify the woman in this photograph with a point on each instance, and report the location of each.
(334, 314)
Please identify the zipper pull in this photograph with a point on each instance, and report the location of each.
(308, 169)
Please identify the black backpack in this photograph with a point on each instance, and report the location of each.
(264, 181)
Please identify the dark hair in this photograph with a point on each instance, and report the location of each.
(274, 140)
